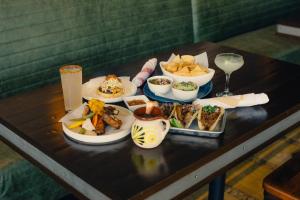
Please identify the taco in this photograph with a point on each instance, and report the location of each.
(167, 109)
(209, 116)
(183, 116)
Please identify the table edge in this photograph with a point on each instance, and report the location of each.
(54, 167)
(200, 174)
(171, 190)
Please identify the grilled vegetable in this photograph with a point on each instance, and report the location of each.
(175, 123)
(76, 124)
(95, 119)
(96, 106)
(83, 118)
(82, 131)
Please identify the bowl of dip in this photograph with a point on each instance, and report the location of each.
(185, 90)
(135, 102)
(159, 84)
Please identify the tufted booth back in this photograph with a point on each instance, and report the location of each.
(37, 36)
(216, 20)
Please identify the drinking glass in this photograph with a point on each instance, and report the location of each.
(71, 81)
(228, 62)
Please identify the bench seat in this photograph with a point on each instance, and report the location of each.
(284, 182)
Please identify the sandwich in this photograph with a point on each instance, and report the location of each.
(209, 116)
(111, 87)
(183, 116)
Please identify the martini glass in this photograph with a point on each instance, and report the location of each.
(228, 62)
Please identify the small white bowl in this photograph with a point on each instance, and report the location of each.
(137, 97)
(185, 95)
(159, 89)
(199, 80)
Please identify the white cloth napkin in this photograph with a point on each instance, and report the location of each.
(145, 72)
(244, 100)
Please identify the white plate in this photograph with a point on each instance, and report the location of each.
(89, 89)
(111, 134)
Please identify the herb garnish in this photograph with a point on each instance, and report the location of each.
(209, 109)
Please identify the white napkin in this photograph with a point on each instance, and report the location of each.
(77, 113)
(145, 72)
(245, 100)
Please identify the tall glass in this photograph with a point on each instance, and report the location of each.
(228, 62)
(71, 81)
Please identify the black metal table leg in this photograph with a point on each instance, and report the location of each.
(217, 188)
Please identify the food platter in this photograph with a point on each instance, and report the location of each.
(89, 90)
(168, 97)
(111, 134)
(193, 130)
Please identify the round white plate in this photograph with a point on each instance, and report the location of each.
(111, 134)
(89, 89)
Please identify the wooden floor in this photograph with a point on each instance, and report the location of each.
(244, 182)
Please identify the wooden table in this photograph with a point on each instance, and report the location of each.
(29, 122)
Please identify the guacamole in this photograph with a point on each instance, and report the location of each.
(185, 86)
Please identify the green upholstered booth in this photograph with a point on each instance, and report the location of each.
(37, 36)
(216, 20)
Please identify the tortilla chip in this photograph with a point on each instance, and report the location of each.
(171, 67)
(184, 70)
(188, 59)
(192, 66)
(176, 59)
(198, 71)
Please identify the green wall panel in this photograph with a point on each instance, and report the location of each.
(37, 36)
(216, 20)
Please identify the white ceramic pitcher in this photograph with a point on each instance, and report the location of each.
(148, 131)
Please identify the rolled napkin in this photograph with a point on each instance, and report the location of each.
(244, 100)
(145, 72)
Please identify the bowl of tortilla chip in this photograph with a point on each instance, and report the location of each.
(184, 69)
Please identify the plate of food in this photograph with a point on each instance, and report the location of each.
(188, 68)
(109, 89)
(175, 95)
(188, 119)
(97, 123)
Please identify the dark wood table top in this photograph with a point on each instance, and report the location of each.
(122, 170)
